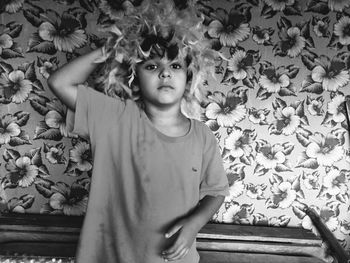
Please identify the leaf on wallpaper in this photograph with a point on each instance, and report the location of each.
(42, 131)
(333, 43)
(303, 136)
(328, 121)
(283, 167)
(14, 52)
(14, 29)
(262, 94)
(43, 186)
(73, 169)
(249, 82)
(39, 104)
(305, 162)
(25, 201)
(293, 10)
(290, 90)
(298, 209)
(21, 139)
(287, 148)
(308, 59)
(87, 5)
(36, 44)
(343, 198)
(29, 70)
(43, 171)
(340, 133)
(310, 86)
(32, 14)
(5, 67)
(317, 6)
(260, 170)
(22, 117)
(267, 11)
(10, 154)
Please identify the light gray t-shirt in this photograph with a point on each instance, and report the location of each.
(142, 180)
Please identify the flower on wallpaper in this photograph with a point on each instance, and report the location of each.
(320, 26)
(5, 42)
(258, 116)
(256, 191)
(47, 66)
(345, 227)
(325, 6)
(272, 157)
(21, 171)
(226, 110)
(340, 37)
(293, 39)
(21, 204)
(8, 128)
(233, 212)
(230, 27)
(55, 153)
(272, 7)
(262, 36)
(63, 32)
(117, 9)
(235, 175)
(338, 5)
(67, 200)
(80, 159)
(326, 75)
(24, 169)
(15, 87)
(334, 183)
(241, 67)
(276, 80)
(335, 111)
(314, 105)
(261, 219)
(329, 214)
(53, 127)
(12, 6)
(238, 144)
(287, 119)
(284, 192)
(320, 150)
(286, 123)
(311, 181)
(8, 47)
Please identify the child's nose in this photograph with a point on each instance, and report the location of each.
(165, 73)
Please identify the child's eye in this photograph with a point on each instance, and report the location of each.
(150, 67)
(176, 66)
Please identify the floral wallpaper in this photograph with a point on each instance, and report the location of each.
(276, 106)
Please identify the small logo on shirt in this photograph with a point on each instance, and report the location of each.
(194, 169)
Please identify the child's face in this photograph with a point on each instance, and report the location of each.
(162, 81)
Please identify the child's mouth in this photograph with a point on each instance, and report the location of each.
(165, 87)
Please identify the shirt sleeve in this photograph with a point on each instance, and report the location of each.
(91, 110)
(214, 181)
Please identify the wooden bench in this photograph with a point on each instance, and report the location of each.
(57, 236)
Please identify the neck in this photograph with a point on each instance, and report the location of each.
(169, 121)
(166, 115)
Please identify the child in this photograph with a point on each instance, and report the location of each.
(158, 175)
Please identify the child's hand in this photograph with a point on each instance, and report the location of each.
(187, 233)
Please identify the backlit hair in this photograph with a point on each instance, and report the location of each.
(154, 28)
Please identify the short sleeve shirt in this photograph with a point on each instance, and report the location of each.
(142, 180)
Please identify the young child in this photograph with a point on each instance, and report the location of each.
(157, 175)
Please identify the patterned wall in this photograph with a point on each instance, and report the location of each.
(276, 107)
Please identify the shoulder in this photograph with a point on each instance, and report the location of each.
(202, 130)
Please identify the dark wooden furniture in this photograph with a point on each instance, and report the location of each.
(57, 236)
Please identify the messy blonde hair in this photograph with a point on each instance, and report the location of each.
(154, 28)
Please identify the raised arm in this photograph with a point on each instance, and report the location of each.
(64, 81)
